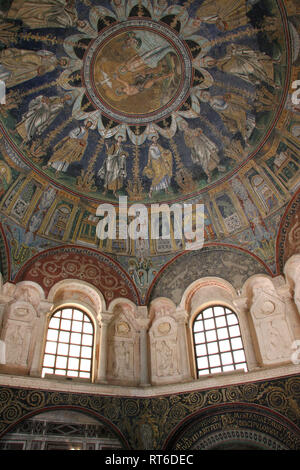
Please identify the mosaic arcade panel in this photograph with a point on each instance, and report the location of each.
(260, 415)
(60, 430)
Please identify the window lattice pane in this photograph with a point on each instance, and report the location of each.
(69, 345)
(217, 341)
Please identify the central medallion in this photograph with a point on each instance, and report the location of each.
(137, 72)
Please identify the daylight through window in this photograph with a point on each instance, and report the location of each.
(217, 341)
(69, 344)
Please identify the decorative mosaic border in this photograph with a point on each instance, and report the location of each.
(167, 418)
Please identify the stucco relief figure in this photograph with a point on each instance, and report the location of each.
(277, 345)
(122, 366)
(225, 14)
(159, 167)
(16, 347)
(270, 323)
(20, 65)
(42, 111)
(254, 67)
(44, 13)
(70, 149)
(204, 152)
(113, 171)
(167, 361)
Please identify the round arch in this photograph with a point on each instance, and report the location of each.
(111, 427)
(234, 426)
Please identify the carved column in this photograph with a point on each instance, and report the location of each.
(143, 322)
(292, 273)
(181, 317)
(248, 335)
(43, 308)
(2, 309)
(105, 319)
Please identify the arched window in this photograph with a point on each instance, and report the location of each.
(69, 344)
(217, 341)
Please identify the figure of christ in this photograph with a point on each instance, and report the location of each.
(141, 83)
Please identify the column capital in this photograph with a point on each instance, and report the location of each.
(105, 318)
(180, 315)
(241, 303)
(142, 311)
(143, 323)
(44, 307)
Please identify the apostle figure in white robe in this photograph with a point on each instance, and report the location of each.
(113, 170)
(204, 152)
(42, 111)
(233, 110)
(44, 13)
(252, 66)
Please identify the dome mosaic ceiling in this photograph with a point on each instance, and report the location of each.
(157, 101)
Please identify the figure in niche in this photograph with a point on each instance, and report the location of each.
(70, 149)
(225, 14)
(159, 167)
(42, 111)
(233, 111)
(252, 66)
(167, 359)
(277, 339)
(44, 13)
(264, 192)
(121, 363)
(113, 170)
(204, 152)
(14, 344)
(20, 65)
